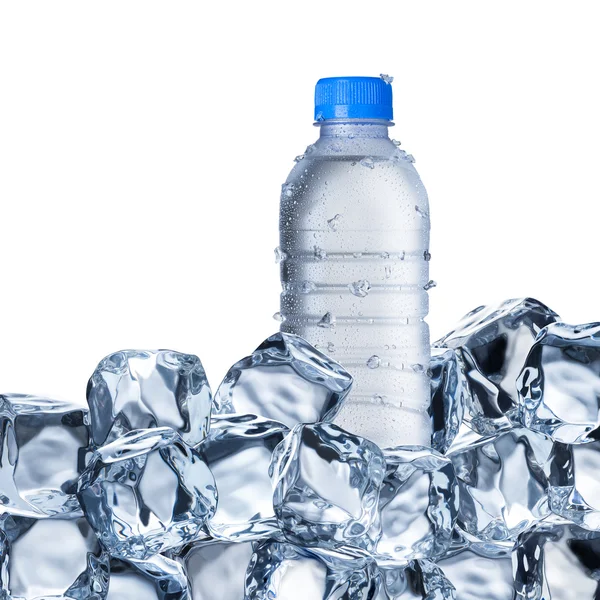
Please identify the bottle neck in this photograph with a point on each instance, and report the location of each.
(374, 128)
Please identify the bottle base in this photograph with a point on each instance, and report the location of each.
(385, 424)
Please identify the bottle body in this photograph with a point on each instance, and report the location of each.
(354, 240)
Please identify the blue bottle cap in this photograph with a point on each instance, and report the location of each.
(353, 98)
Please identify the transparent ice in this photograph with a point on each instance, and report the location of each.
(280, 570)
(286, 380)
(503, 485)
(327, 485)
(575, 483)
(140, 389)
(559, 386)
(477, 577)
(158, 578)
(42, 450)
(419, 580)
(238, 452)
(215, 566)
(557, 563)
(450, 394)
(51, 558)
(493, 342)
(418, 505)
(147, 492)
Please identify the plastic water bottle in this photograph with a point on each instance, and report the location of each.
(354, 253)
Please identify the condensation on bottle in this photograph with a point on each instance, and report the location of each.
(354, 258)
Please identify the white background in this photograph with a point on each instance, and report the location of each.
(143, 144)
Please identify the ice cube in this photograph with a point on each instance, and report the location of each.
(238, 452)
(575, 485)
(420, 580)
(479, 578)
(503, 485)
(493, 342)
(559, 387)
(147, 492)
(157, 578)
(450, 394)
(286, 380)
(418, 505)
(561, 563)
(216, 566)
(141, 389)
(51, 558)
(327, 484)
(42, 450)
(279, 570)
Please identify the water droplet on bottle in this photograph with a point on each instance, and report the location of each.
(334, 222)
(374, 362)
(429, 285)
(360, 288)
(368, 162)
(309, 149)
(280, 255)
(279, 317)
(418, 368)
(330, 347)
(319, 116)
(319, 253)
(410, 158)
(327, 321)
(334, 148)
(385, 255)
(421, 212)
(396, 143)
(287, 190)
(427, 255)
(387, 78)
(308, 287)
(299, 158)
(357, 254)
(388, 271)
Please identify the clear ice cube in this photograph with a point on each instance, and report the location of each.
(60, 559)
(558, 563)
(327, 484)
(503, 485)
(216, 566)
(279, 570)
(575, 484)
(287, 380)
(158, 578)
(147, 492)
(419, 580)
(141, 389)
(42, 451)
(418, 505)
(493, 342)
(450, 394)
(559, 387)
(478, 577)
(238, 452)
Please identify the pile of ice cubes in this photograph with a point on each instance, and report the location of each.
(160, 491)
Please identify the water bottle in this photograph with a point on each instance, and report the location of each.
(354, 259)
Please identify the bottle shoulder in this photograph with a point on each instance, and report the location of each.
(336, 156)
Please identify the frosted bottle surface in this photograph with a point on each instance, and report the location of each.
(354, 243)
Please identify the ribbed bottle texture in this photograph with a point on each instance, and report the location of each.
(354, 241)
